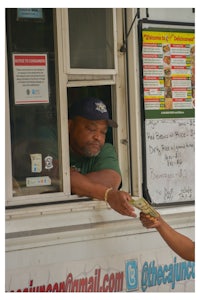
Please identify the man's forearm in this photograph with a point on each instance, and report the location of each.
(118, 200)
(83, 186)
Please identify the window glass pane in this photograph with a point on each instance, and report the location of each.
(34, 129)
(91, 38)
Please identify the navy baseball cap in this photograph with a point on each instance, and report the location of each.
(91, 109)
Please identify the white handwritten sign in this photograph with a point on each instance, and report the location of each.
(170, 159)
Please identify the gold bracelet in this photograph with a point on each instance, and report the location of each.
(106, 194)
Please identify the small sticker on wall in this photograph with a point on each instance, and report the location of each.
(48, 162)
(36, 162)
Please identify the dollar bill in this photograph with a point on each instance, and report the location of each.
(145, 207)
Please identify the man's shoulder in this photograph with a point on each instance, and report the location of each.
(108, 148)
(107, 159)
(107, 151)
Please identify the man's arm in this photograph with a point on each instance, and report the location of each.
(109, 178)
(178, 242)
(87, 185)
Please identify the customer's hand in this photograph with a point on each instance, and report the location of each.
(149, 221)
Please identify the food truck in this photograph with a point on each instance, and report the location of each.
(141, 62)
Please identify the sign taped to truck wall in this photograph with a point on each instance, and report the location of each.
(30, 78)
(167, 66)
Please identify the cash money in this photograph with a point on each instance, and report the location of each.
(145, 207)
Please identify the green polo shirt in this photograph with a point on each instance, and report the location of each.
(106, 159)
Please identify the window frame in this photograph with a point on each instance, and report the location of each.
(62, 83)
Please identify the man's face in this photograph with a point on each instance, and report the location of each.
(87, 137)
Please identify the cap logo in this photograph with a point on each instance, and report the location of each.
(101, 107)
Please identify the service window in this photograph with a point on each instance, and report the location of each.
(47, 70)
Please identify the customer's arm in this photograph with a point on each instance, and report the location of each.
(178, 242)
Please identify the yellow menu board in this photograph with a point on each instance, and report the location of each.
(168, 59)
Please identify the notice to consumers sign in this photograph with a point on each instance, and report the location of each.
(30, 78)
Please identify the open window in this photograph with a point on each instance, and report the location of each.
(47, 70)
